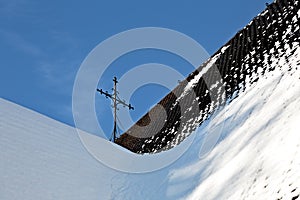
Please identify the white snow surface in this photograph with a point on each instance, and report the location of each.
(257, 156)
(192, 83)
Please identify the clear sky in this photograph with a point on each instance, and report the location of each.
(43, 43)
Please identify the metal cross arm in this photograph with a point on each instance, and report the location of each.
(105, 93)
(124, 104)
(117, 100)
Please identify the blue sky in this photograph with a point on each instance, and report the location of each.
(42, 44)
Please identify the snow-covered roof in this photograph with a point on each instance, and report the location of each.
(248, 56)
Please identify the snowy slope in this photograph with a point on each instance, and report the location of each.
(43, 159)
(258, 156)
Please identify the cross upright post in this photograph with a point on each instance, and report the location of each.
(115, 109)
